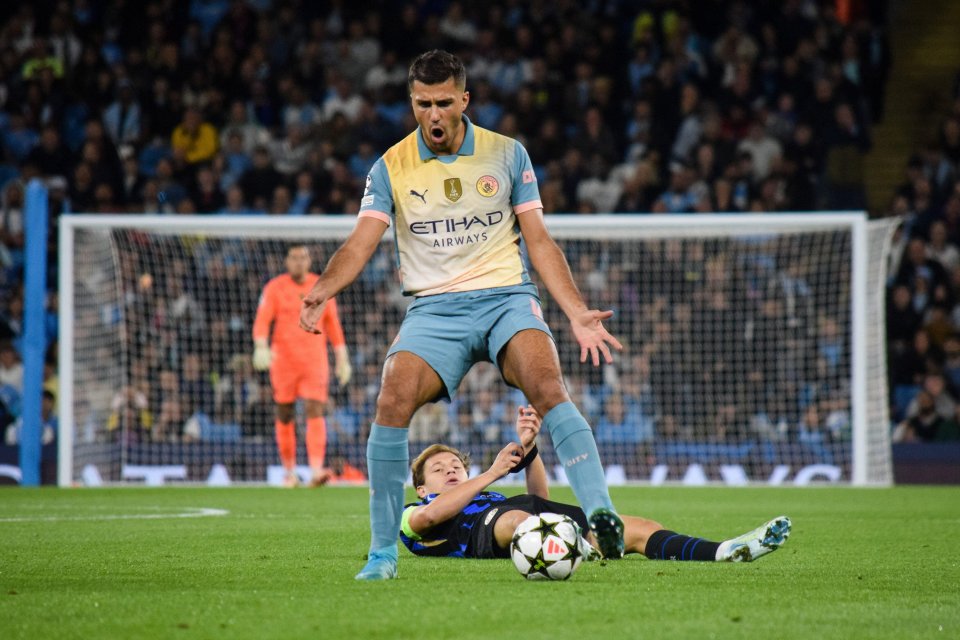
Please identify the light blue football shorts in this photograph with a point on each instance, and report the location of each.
(453, 331)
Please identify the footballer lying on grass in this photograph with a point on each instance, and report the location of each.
(457, 517)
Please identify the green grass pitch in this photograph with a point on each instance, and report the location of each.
(872, 563)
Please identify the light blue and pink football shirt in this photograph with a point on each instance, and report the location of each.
(454, 217)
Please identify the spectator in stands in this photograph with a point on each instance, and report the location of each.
(11, 369)
(847, 143)
(621, 424)
(941, 249)
(639, 191)
(48, 423)
(388, 72)
(814, 434)
(256, 420)
(123, 119)
(910, 366)
(131, 185)
(169, 190)
(431, 423)
(259, 182)
(903, 320)
(764, 150)
(926, 278)
(252, 134)
(11, 219)
(349, 419)
(50, 157)
(924, 423)
(304, 195)
(937, 323)
(681, 196)
(290, 153)
(594, 138)
(194, 140)
(235, 390)
(206, 194)
(951, 363)
(130, 419)
(301, 112)
(235, 203)
(253, 68)
(942, 397)
(343, 100)
(169, 410)
(196, 390)
(234, 161)
(281, 202)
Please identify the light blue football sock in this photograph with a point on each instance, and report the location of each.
(577, 451)
(387, 460)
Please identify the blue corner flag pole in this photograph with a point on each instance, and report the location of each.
(34, 331)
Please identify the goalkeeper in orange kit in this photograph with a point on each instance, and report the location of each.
(299, 366)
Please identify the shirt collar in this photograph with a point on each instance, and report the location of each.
(466, 149)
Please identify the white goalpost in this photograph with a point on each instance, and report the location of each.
(755, 349)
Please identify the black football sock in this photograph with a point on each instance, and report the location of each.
(669, 545)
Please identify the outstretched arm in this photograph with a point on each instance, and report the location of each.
(528, 426)
(344, 267)
(552, 266)
(449, 503)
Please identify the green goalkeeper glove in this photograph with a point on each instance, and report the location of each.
(342, 368)
(262, 355)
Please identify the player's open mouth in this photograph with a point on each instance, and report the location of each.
(436, 133)
(453, 481)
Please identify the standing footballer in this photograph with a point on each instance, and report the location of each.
(459, 198)
(298, 367)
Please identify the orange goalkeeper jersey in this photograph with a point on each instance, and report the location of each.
(280, 306)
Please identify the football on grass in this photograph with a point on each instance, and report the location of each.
(547, 547)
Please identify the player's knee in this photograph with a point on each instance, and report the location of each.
(641, 527)
(394, 409)
(653, 526)
(285, 413)
(506, 525)
(315, 408)
(545, 393)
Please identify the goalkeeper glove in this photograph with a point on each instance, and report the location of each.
(262, 355)
(342, 368)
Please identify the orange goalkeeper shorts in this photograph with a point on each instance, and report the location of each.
(290, 382)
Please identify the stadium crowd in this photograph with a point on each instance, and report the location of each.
(280, 107)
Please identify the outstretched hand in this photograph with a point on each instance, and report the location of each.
(528, 426)
(509, 457)
(593, 338)
(310, 311)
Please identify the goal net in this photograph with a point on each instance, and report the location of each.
(754, 349)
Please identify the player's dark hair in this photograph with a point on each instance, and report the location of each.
(421, 460)
(435, 67)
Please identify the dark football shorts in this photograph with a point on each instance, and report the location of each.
(482, 543)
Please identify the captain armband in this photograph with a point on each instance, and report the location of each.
(527, 459)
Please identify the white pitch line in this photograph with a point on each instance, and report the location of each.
(192, 512)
